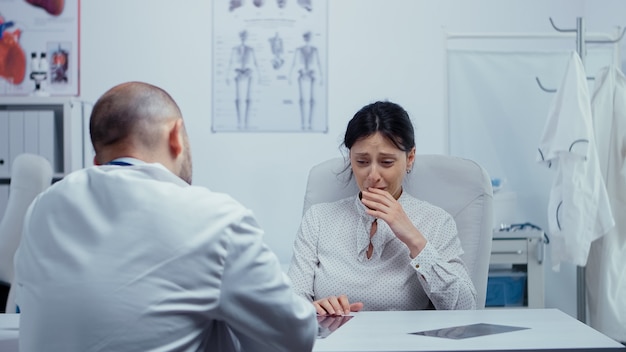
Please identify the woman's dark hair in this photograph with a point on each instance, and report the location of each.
(390, 119)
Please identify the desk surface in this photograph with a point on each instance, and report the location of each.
(547, 329)
(9, 325)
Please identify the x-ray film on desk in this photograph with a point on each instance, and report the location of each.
(467, 331)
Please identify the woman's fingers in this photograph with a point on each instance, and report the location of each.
(355, 307)
(328, 306)
(334, 305)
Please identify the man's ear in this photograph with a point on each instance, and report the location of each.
(176, 138)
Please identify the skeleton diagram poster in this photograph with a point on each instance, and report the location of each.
(269, 66)
(39, 47)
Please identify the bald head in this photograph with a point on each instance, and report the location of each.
(137, 119)
(130, 113)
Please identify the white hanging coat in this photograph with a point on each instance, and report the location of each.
(606, 266)
(578, 208)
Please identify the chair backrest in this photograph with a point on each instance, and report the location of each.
(30, 175)
(459, 186)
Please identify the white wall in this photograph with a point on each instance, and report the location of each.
(378, 49)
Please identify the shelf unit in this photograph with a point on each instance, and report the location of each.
(36, 124)
(49, 126)
(524, 250)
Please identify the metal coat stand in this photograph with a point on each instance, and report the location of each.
(581, 50)
(581, 44)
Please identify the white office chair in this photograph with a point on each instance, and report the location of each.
(459, 186)
(30, 175)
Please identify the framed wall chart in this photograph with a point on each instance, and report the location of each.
(269, 66)
(39, 47)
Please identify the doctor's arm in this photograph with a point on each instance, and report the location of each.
(257, 299)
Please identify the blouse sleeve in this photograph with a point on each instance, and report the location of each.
(304, 259)
(440, 269)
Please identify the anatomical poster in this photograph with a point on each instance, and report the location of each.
(270, 66)
(39, 47)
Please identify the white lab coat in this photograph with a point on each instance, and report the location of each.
(123, 258)
(606, 266)
(578, 207)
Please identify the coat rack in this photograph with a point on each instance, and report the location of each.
(582, 39)
(581, 50)
(581, 44)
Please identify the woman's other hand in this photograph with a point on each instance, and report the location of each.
(336, 306)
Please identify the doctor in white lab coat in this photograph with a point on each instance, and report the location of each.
(129, 256)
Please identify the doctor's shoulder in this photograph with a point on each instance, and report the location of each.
(212, 203)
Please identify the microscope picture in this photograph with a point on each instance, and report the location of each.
(39, 68)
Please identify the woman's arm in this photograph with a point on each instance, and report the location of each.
(441, 271)
(304, 259)
(302, 269)
(430, 234)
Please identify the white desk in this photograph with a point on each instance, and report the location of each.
(548, 329)
(9, 325)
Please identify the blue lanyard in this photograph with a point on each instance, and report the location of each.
(120, 163)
